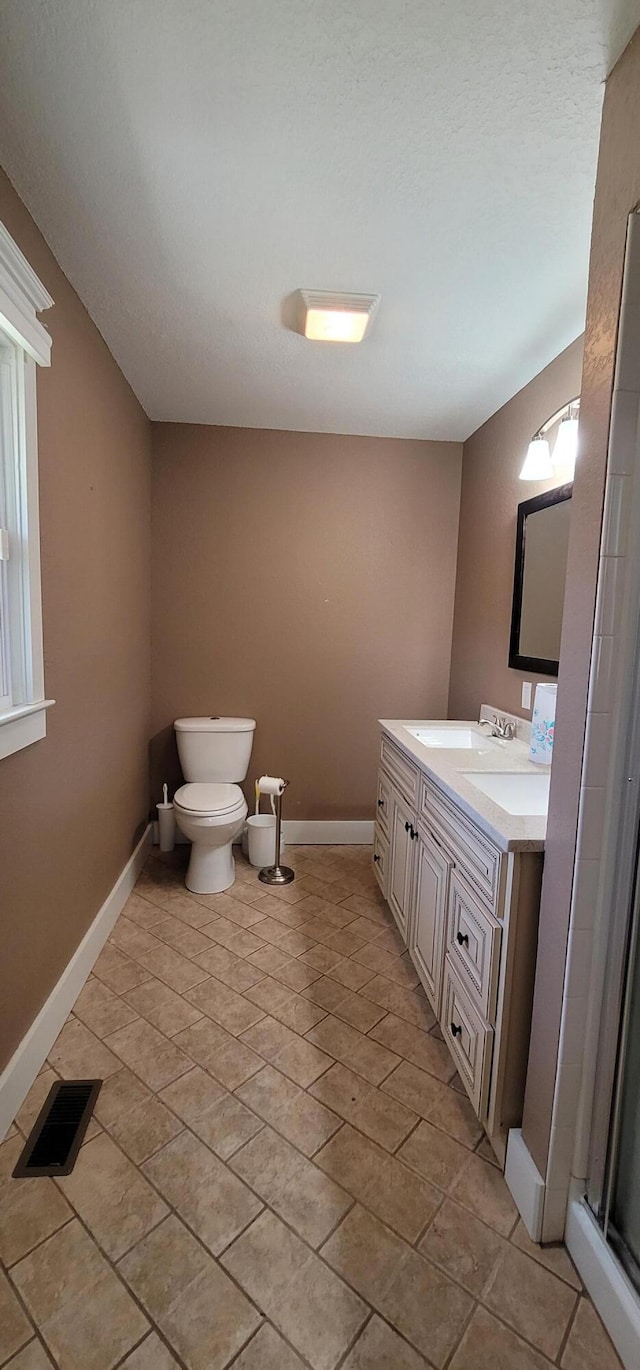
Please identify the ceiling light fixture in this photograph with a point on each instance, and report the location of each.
(539, 463)
(326, 316)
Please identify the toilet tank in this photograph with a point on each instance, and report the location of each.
(214, 749)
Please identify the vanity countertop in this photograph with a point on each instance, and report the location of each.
(446, 767)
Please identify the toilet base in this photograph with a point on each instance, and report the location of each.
(211, 869)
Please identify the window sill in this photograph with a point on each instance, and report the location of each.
(23, 725)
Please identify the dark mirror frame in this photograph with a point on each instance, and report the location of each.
(538, 664)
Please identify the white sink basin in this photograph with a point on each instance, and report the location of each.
(515, 791)
(454, 739)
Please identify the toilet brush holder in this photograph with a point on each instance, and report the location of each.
(275, 874)
(166, 823)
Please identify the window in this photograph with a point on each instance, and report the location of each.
(24, 345)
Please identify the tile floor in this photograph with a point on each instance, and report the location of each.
(283, 1170)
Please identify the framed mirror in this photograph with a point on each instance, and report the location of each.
(542, 541)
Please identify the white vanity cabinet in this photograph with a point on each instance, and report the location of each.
(468, 913)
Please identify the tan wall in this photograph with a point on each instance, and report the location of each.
(73, 805)
(306, 580)
(491, 492)
(617, 193)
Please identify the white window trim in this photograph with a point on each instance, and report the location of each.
(22, 297)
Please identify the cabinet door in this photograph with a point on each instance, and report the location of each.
(400, 878)
(427, 932)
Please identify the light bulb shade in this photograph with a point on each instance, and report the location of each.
(538, 464)
(565, 447)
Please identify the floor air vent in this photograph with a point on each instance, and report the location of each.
(56, 1136)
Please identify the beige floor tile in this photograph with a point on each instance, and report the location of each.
(452, 1112)
(415, 1088)
(435, 1155)
(15, 1328)
(153, 1057)
(353, 1049)
(34, 1357)
(351, 975)
(269, 994)
(296, 941)
(390, 940)
(302, 1061)
(484, 1147)
(329, 912)
(232, 1011)
(320, 929)
(78, 1054)
(117, 971)
(289, 1109)
(111, 1196)
(359, 1012)
(269, 1037)
(404, 1003)
(30, 1210)
(226, 1058)
(377, 1115)
(308, 1303)
(535, 1303)
(187, 941)
(400, 1198)
(299, 1014)
(269, 959)
(243, 942)
(193, 1094)
(380, 1348)
(463, 1247)
(321, 958)
(132, 940)
(267, 1351)
(161, 1006)
(226, 1126)
(141, 911)
(427, 1308)
(325, 992)
(214, 1203)
(101, 1010)
(231, 970)
(34, 1101)
(482, 1189)
(415, 1046)
(366, 928)
(296, 975)
(271, 929)
(144, 1129)
(588, 1346)
(345, 941)
(293, 1186)
(488, 1345)
(554, 1258)
(367, 1254)
(73, 1295)
(168, 965)
(151, 1354)
(200, 1312)
(181, 905)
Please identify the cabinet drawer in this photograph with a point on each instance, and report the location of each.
(480, 862)
(402, 772)
(473, 943)
(470, 1039)
(381, 859)
(383, 803)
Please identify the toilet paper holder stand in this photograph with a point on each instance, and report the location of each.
(277, 874)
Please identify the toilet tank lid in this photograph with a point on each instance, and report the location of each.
(215, 725)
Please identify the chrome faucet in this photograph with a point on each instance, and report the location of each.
(501, 727)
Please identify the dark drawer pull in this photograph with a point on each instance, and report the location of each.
(462, 938)
(376, 857)
(456, 1029)
(407, 826)
(381, 803)
(414, 834)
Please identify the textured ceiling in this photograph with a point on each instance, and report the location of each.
(192, 162)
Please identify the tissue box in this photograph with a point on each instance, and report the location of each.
(543, 724)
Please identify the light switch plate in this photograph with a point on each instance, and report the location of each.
(526, 694)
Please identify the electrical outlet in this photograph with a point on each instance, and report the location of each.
(526, 694)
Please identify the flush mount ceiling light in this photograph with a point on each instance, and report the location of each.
(327, 316)
(540, 463)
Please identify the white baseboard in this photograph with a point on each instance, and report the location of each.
(19, 1074)
(613, 1295)
(312, 833)
(525, 1182)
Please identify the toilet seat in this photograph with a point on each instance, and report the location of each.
(200, 797)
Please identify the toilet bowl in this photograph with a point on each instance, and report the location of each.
(210, 808)
(212, 817)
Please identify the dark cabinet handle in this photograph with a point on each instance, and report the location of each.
(414, 834)
(456, 1029)
(381, 803)
(376, 857)
(462, 938)
(407, 827)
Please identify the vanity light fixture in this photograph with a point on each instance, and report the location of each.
(540, 463)
(326, 316)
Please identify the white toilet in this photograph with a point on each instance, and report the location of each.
(210, 808)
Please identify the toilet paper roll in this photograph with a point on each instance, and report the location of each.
(271, 784)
